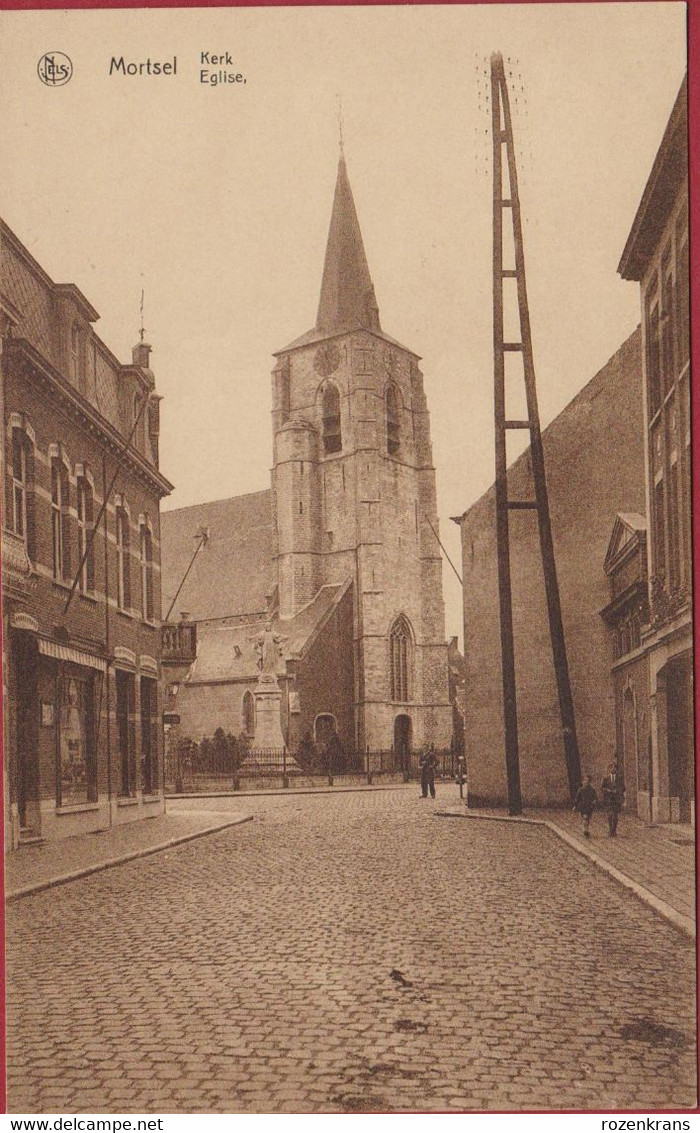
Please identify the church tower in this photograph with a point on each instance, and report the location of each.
(354, 495)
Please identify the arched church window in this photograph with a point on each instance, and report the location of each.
(332, 437)
(400, 648)
(248, 714)
(393, 421)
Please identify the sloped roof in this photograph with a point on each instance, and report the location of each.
(628, 528)
(633, 520)
(315, 335)
(658, 199)
(233, 572)
(301, 629)
(226, 649)
(347, 292)
(347, 302)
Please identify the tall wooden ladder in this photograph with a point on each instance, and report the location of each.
(508, 204)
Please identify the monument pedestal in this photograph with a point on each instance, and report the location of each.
(268, 746)
(268, 716)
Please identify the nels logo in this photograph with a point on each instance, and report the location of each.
(54, 69)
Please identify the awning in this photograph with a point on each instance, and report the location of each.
(68, 653)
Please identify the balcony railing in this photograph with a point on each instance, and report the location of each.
(179, 642)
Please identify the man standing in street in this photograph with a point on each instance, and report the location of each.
(428, 766)
(613, 789)
(585, 801)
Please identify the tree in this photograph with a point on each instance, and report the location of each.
(306, 753)
(205, 754)
(220, 751)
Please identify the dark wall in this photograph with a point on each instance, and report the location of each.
(594, 452)
(325, 678)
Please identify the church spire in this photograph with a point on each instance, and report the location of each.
(347, 294)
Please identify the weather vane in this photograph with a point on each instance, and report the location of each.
(340, 123)
(142, 331)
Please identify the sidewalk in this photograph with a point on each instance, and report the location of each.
(657, 863)
(33, 868)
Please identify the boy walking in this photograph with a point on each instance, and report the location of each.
(584, 803)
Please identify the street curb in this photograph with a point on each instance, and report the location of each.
(285, 792)
(684, 924)
(64, 878)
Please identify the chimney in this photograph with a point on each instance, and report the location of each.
(140, 354)
(184, 615)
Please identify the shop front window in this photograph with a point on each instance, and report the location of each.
(126, 731)
(75, 741)
(149, 736)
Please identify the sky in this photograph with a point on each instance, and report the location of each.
(215, 200)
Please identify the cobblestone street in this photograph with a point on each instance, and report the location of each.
(348, 953)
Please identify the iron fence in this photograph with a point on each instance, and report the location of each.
(188, 770)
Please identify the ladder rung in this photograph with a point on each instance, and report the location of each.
(506, 203)
(512, 345)
(503, 136)
(509, 273)
(516, 425)
(522, 505)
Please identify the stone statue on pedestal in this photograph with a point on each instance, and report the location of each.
(268, 737)
(267, 648)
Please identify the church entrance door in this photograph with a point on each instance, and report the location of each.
(328, 744)
(403, 735)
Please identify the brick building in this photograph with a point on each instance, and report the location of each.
(81, 582)
(594, 454)
(655, 680)
(339, 554)
(619, 478)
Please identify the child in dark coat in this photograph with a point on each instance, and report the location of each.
(584, 803)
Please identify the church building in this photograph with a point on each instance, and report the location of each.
(338, 558)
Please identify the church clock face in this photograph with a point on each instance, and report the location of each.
(326, 359)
